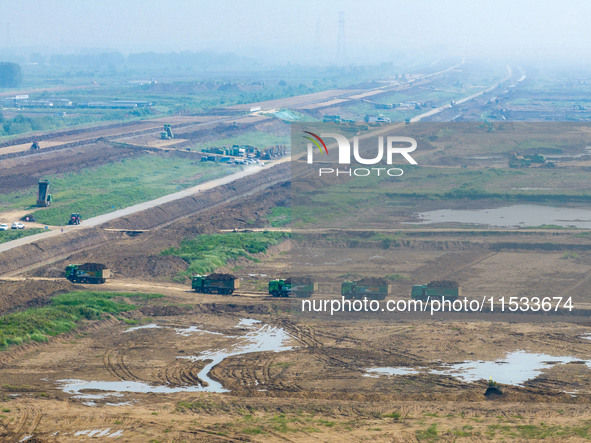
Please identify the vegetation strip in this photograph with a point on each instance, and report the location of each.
(64, 313)
(206, 253)
(106, 188)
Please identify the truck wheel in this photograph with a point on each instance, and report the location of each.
(275, 294)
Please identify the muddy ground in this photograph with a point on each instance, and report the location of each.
(317, 390)
(321, 388)
(316, 382)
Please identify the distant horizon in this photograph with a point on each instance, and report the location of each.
(278, 32)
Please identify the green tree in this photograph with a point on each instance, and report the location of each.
(11, 75)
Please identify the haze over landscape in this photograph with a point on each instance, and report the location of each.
(295, 221)
(304, 31)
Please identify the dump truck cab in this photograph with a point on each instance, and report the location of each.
(87, 273)
(279, 288)
(347, 287)
(418, 292)
(436, 290)
(369, 287)
(215, 284)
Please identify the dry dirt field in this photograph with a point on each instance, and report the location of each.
(194, 367)
(110, 379)
(292, 377)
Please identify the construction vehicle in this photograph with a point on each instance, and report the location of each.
(274, 151)
(35, 146)
(436, 290)
(302, 287)
(87, 273)
(43, 196)
(75, 219)
(379, 118)
(167, 133)
(215, 283)
(527, 160)
(371, 287)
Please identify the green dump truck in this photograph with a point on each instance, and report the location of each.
(436, 290)
(302, 287)
(371, 287)
(87, 273)
(215, 283)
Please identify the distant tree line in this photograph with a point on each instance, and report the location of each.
(11, 75)
(116, 59)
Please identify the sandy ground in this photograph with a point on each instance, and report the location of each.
(317, 390)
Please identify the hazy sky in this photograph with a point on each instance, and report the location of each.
(302, 29)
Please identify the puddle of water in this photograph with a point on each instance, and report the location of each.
(509, 216)
(259, 339)
(123, 403)
(115, 388)
(246, 322)
(265, 338)
(181, 331)
(96, 433)
(150, 326)
(515, 369)
(192, 329)
(374, 372)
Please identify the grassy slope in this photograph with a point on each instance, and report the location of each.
(65, 312)
(206, 253)
(106, 188)
(13, 234)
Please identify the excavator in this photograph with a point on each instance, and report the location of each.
(167, 133)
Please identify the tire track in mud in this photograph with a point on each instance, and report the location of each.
(27, 421)
(214, 436)
(115, 364)
(308, 337)
(179, 374)
(20, 350)
(259, 372)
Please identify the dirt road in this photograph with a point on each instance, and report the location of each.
(101, 219)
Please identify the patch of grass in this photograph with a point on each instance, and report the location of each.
(356, 202)
(395, 415)
(206, 253)
(113, 186)
(253, 431)
(396, 277)
(541, 431)
(465, 431)
(569, 254)
(13, 234)
(65, 313)
(544, 227)
(283, 364)
(279, 216)
(429, 434)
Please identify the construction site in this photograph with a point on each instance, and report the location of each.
(218, 255)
